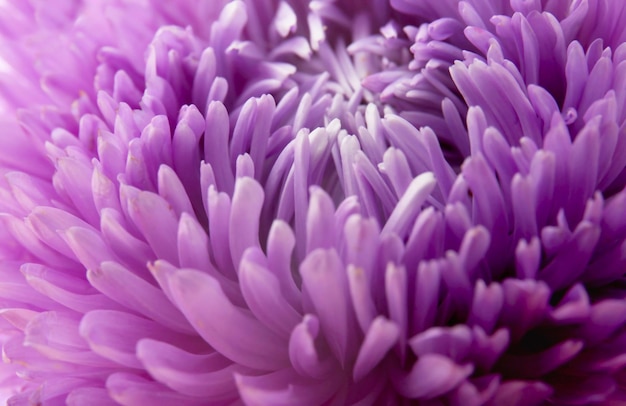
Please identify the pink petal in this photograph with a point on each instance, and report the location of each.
(207, 376)
(230, 330)
(128, 289)
(161, 235)
(130, 390)
(261, 290)
(114, 335)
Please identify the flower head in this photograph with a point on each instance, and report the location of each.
(292, 202)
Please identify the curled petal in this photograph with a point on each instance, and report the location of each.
(431, 376)
(243, 339)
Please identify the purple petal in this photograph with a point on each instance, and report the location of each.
(305, 357)
(209, 377)
(126, 288)
(160, 235)
(431, 376)
(114, 335)
(453, 342)
(90, 396)
(261, 290)
(521, 393)
(486, 305)
(71, 292)
(325, 285)
(244, 217)
(379, 339)
(172, 190)
(409, 205)
(129, 389)
(361, 295)
(280, 244)
(243, 339)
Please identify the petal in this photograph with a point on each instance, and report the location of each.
(262, 293)
(304, 355)
(427, 288)
(474, 247)
(105, 191)
(87, 245)
(143, 209)
(573, 308)
(572, 259)
(486, 350)
(432, 375)
(135, 293)
(186, 155)
(453, 342)
(425, 238)
(128, 248)
(219, 214)
(361, 295)
(362, 239)
(486, 305)
(285, 21)
(216, 139)
(280, 244)
(193, 244)
(324, 282)
(129, 390)
(607, 316)
(521, 393)
(281, 389)
(71, 292)
(397, 301)
(114, 335)
(16, 292)
(75, 177)
(89, 396)
(193, 252)
(525, 305)
(172, 190)
(320, 221)
(528, 258)
(381, 336)
(46, 222)
(55, 335)
(258, 144)
(405, 212)
(29, 191)
(204, 77)
(207, 376)
(245, 211)
(243, 339)
(18, 318)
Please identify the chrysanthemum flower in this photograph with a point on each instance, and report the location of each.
(325, 202)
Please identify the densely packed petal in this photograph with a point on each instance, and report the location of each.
(313, 202)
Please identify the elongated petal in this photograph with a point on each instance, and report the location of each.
(207, 376)
(128, 289)
(243, 339)
(379, 339)
(325, 285)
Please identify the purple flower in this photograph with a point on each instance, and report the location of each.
(325, 202)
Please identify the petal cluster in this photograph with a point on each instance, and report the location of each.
(313, 202)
